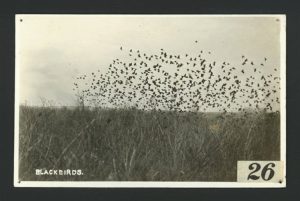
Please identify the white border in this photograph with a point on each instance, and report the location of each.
(17, 103)
(283, 93)
(125, 184)
(130, 184)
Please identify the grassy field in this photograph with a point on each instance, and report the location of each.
(134, 145)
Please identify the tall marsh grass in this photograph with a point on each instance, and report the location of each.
(135, 145)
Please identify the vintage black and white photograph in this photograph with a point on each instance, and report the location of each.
(150, 101)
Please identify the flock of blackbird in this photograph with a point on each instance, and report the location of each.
(181, 82)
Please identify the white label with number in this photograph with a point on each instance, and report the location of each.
(260, 171)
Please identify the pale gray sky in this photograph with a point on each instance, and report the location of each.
(51, 50)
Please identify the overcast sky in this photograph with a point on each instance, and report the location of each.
(52, 50)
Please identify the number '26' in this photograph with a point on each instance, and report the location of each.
(267, 173)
